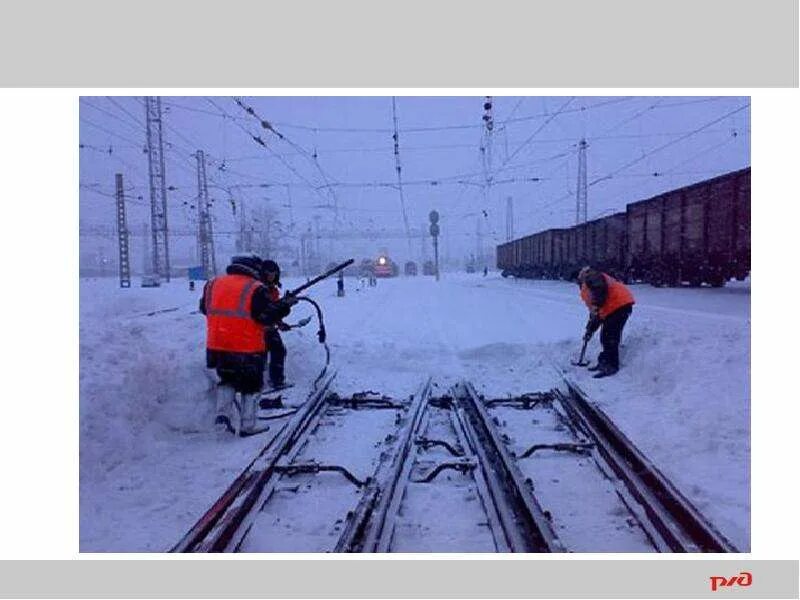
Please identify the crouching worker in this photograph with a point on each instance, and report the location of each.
(238, 308)
(271, 276)
(610, 304)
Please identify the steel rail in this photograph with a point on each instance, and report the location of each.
(525, 524)
(677, 520)
(370, 526)
(502, 543)
(214, 529)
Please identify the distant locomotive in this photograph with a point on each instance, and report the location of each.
(695, 234)
(384, 267)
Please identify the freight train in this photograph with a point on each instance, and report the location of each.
(385, 267)
(692, 235)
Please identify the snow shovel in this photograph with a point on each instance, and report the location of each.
(582, 362)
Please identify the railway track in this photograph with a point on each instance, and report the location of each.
(543, 472)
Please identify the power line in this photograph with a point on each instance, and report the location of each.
(560, 110)
(109, 132)
(668, 144)
(261, 143)
(265, 124)
(124, 110)
(431, 147)
(615, 173)
(634, 117)
(434, 128)
(85, 102)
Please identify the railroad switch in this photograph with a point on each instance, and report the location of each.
(366, 399)
(427, 443)
(524, 402)
(465, 465)
(312, 467)
(577, 448)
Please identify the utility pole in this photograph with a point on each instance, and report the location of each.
(205, 234)
(398, 168)
(581, 208)
(147, 264)
(158, 187)
(245, 238)
(509, 219)
(488, 123)
(317, 252)
(433, 217)
(122, 237)
(479, 241)
(486, 150)
(303, 253)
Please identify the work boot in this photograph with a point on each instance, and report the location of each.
(605, 371)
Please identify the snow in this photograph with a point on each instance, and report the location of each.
(151, 461)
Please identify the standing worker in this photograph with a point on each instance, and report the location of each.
(610, 304)
(271, 276)
(238, 308)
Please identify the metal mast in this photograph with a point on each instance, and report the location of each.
(122, 237)
(146, 258)
(396, 138)
(581, 208)
(479, 241)
(486, 148)
(509, 219)
(205, 234)
(158, 187)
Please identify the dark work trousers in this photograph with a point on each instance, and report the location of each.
(611, 335)
(244, 372)
(277, 356)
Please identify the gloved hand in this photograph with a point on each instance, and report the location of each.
(289, 300)
(592, 325)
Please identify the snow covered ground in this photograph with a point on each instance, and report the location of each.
(151, 462)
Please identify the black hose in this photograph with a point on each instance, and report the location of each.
(322, 337)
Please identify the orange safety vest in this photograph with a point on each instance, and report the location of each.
(230, 327)
(618, 296)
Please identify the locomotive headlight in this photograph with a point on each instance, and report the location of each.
(382, 260)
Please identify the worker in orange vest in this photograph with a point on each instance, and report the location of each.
(271, 277)
(238, 308)
(610, 304)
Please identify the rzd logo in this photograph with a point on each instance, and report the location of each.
(743, 579)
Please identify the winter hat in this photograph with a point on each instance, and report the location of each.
(270, 266)
(250, 261)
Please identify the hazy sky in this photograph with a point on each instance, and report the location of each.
(682, 139)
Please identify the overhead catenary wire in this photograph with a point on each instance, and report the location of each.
(615, 172)
(530, 138)
(430, 129)
(668, 144)
(517, 171)
(265, 124)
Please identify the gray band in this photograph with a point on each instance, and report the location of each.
(363, 43)
(403, 578)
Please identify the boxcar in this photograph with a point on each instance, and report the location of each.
(606, 244)
(696, 234)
